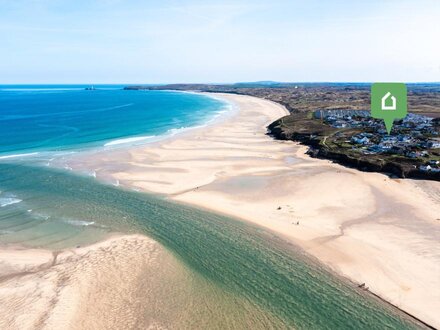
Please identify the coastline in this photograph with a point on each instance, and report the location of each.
(236, 169)
(188, 111)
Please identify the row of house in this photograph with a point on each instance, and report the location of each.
(415, 136)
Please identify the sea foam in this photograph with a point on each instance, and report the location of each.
(129, 140)
(5, 201)
(19, 155)
(79, 223)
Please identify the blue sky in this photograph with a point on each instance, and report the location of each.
(112, 41)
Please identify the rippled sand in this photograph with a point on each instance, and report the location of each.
(124, 282)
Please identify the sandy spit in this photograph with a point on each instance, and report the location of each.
(80, 288)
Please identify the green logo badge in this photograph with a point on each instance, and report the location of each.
(388, 102)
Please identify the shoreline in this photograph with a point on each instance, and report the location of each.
(129, 141)
(236, 169)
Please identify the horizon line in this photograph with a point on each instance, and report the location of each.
(218, 83)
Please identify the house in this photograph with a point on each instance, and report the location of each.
(425, 168)
(375, 149)
(360, 140)
(413, 154)
(404, 138)
(386, 145)
(339, 123)
(431, 144)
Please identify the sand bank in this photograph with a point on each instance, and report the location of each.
(374, 230)
(77, 288)
(124, 282)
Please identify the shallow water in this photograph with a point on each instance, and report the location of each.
(277, 282)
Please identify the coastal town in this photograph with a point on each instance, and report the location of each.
(415, 137)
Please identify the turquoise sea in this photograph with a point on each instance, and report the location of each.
(269, 283)
(67, 117)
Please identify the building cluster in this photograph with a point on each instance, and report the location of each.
(415, 136)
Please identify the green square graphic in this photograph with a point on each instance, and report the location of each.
(389, 102)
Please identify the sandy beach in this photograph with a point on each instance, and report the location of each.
(123, 282)
(372, 229)
(76, 288)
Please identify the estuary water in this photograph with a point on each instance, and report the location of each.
(278, 285)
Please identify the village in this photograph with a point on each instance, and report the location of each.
(415, 137)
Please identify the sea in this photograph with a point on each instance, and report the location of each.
(245, 276)
(46, 118)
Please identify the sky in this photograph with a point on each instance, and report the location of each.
(115, 41)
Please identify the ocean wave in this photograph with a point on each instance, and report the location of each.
(79, 223)
(19, 155)
(174, 131)
(38, 216)
(129, 140)
(169, 133)
(5, 201)
(151, 138)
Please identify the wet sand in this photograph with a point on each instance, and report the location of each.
(372, 229)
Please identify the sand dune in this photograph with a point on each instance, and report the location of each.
(375, 230)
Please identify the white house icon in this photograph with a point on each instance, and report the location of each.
(393, 102)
